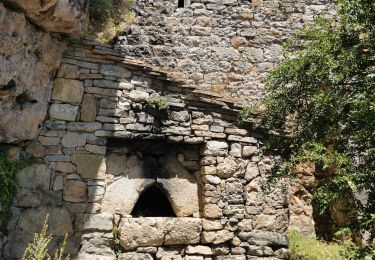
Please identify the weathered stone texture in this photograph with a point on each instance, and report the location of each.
(104, 147)
(159, 231)
(90, 166)
(69, 17)
(223, 46)
(28, 60)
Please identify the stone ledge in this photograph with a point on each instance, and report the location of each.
(157, 231)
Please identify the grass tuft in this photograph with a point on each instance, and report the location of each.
(311, 248)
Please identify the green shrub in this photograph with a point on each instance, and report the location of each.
(109, 17)
(159, 103)
(243, 115)
(8, 187)
(38, 248)
(322, 94)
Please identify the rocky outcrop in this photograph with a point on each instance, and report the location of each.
(301, 210)
(62, 16)
(28, 60)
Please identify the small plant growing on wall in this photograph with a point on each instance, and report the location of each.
(116, 240)
(159, 103)
(159, 108)
(8, 188)
(38, 248)
(243, 115)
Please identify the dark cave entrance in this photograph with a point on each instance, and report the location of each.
(153, 203)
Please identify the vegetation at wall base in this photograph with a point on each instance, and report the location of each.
(323, 94)
(8, 188)
(109, 17)
(309, 248)
(38, 248)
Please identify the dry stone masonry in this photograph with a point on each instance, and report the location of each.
(106, 145)
(226, 46)
(135, 162)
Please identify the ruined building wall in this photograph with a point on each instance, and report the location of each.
(226, 46)
(102, 146)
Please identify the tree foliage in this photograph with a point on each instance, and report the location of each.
(109, 17)
(323, 96)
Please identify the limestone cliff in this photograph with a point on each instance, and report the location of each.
(29, 57)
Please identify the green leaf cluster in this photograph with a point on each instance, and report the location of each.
(8, 185)
(159, 103)
(323, 96)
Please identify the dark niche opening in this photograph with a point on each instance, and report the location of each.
(181, 4)
(153, 203)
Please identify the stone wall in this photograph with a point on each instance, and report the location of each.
(101, 147)
(226, 46)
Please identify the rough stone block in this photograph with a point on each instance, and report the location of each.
(114, 70)
(59, 221)
(90, 166)
(212, 211)
(73, 139)
(63, 112)
(138, 96)
(36, 176)
(75, 191)
(98, 222)
(216, 237)
(135, 256)
(264, 238)
(199, 250)
(67, 90)
(216, 148)
(84, 126)
(89, 108)
(183, 231)
(116, 163)
(136, 232)
(97, 149)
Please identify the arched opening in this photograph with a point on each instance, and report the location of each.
(153, 203)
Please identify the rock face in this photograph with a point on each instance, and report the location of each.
(28, 61)
(68, 17)
(301, 212)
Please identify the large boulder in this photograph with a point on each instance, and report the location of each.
(62, 16)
